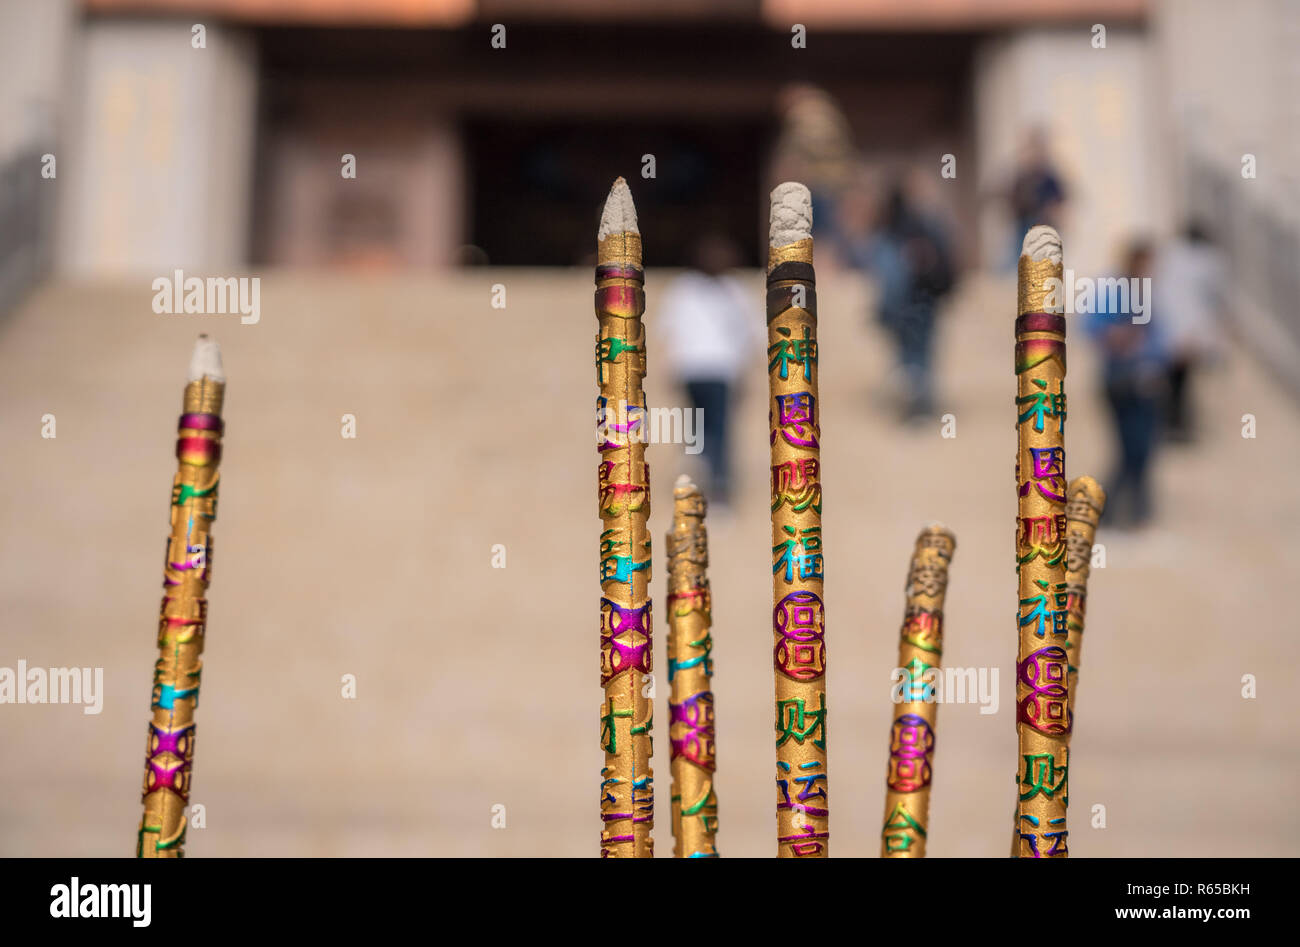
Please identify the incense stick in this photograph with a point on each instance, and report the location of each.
(183, 622)
(798, 621)
(1042, 712)
(627, 787)
(911, 736)
(1085, 502)
(690, 671)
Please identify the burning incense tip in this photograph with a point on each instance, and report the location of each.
(791, 217)
(619, 215)
(685, 486)
(206, 361)
(1042, 243)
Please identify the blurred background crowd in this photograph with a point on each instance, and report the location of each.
(138, 137)
(933, 134)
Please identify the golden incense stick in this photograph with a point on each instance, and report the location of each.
(798, 621)
(186, 571)
(1085, 502)
(911, 736)
(1042, 710)
(627, 786)
(690, 670)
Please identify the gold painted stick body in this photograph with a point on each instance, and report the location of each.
(1042, 715)
(182, 624)
(912, 733)
(1085, 502)
(798, 620)
(690, 671)
(1084, 505)
(627, 789)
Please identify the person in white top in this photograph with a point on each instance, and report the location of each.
(1190, 283)
(712, 329)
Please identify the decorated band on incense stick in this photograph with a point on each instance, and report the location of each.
(1042, 616)
(182, 624)
(623, 479)
(690, 671)
(911, 735)
(798, 619)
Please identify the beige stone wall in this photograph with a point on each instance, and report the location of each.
(1097, 107)
(34, 38)
(1231, 81)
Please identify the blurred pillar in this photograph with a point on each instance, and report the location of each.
(34, 39)
(159, 155)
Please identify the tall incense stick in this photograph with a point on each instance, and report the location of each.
(690, 671)
(627, 786)
(798, 621)
(181, 627)
(911, 736)
(1042, 707)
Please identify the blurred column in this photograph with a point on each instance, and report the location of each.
(34, 39)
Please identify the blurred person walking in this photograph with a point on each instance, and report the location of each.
(1190, 276)
(1036, 194)
(712, 332)
(910, 258)
(1135, 366)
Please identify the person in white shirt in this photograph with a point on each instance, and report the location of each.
(1190, 284)
(712, 329)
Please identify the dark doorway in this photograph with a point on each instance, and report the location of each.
(526, 179)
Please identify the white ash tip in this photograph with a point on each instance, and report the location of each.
(619, 215)
(684, 482)
(206, 361)
(1042, 243)
(791, 216)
